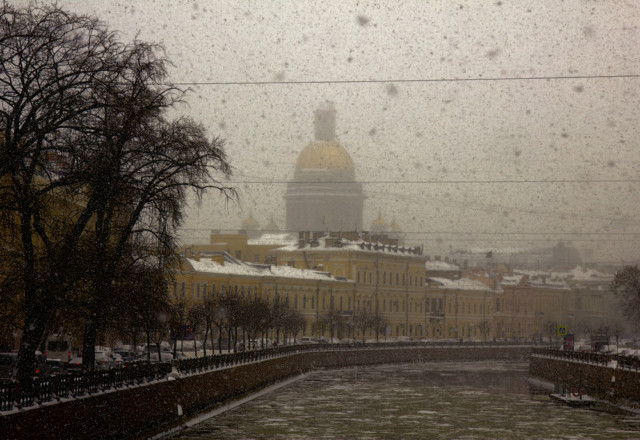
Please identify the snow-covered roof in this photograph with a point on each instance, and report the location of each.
(440, 265)
(460, 284)
(354, 246)
(282, 239)
(511, 280)
(577, 274)
(237, 267)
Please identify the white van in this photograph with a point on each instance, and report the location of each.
(58, 347)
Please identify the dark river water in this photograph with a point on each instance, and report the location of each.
(479, 400)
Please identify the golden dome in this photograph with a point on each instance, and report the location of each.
(250, 223)
(324, 155)
(379, 221)
(394, 226)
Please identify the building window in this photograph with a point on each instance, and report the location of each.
(358, 276)
(397, 279)
(175, 289)
(384, 278)
(340, 303)
(497, 305)
(410, 281)
(295, 301)
(358, 308)
(421, 282)
(313, 303)
(183, 293)
(403, 280)
(242, 292)
(370, 277)
(204, 291)
(384, 305)
(198, 291)
(304, 302)
(349, 303)
(268, 298)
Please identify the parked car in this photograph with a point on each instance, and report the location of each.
(126, 355)
(103, 360)
(57, 366)
(75, 364)
(309, 340)
(334, 341)
(152, 355)
(404, 339)
(7, 365)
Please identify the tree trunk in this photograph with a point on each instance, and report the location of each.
(89, 343)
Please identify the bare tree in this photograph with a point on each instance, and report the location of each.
(626, 287)
(485, 328)
(82, 127)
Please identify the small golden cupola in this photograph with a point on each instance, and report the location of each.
(379, 225)
(250, 226)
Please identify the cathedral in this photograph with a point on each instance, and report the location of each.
(324, 194)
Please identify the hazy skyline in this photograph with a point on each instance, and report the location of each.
(402, 134)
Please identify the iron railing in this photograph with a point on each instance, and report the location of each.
(76, 384)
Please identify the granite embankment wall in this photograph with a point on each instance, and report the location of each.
(144, 410)
(608, 382)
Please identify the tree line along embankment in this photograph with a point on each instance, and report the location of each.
(146, 409)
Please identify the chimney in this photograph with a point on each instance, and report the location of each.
(196, 256)
(187, 252)
(218, 258)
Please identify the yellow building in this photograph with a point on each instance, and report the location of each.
(461, 308)
(389, 279)
(308, 291)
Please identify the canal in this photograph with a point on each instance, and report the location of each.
(476, 400)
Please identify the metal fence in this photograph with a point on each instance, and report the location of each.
(15, 395)
(627, 362)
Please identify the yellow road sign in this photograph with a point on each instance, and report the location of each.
(562, 330)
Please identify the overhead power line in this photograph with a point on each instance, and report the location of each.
(419, 182)
(418, 80)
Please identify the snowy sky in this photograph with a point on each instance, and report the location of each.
(397, 132)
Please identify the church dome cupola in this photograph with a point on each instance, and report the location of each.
(250, 226)
(324, 194)
(379, 225)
